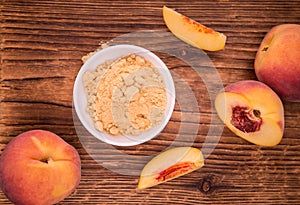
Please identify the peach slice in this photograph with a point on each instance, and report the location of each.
(170, 164)
(192, 32)
(253, 111)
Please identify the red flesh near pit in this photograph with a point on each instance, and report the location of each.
(245, 119)
(175, 170)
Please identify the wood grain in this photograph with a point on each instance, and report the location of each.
(42, 43)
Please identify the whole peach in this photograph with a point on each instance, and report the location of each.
(277, 61)
(39, 168)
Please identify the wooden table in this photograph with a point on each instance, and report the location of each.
(42, 43)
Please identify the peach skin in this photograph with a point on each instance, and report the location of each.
(277, 62)
(39, 168)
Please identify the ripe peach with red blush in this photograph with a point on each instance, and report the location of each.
(277, 61)
(39, 168)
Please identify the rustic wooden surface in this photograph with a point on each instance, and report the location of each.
(42, 43)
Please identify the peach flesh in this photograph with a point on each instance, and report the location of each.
(252, 111)
(170, 164)
(192, 32)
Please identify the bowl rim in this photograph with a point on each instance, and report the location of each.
(91, 65)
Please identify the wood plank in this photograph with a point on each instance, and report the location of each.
(42, 43)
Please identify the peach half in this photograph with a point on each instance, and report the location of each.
(277, 62)
(192, 32)
(170, 164)
(252, 111)
(39, 168)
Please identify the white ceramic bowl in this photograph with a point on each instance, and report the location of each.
(111, 53)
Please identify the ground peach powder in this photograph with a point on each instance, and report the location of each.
(125, 96)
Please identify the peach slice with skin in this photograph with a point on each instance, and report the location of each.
(252, 111)
(170, 164)
(192, 32)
